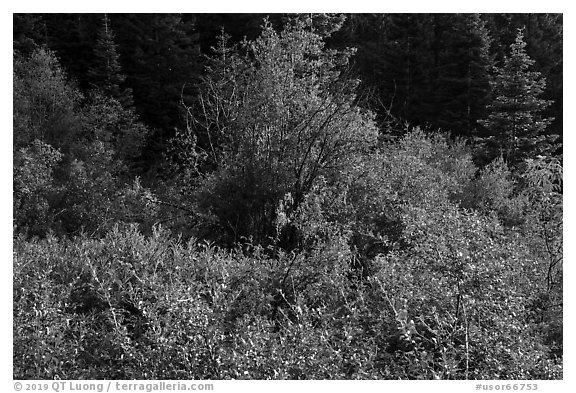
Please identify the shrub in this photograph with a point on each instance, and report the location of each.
(272, 118)
(34, 187)
(454, 302)
(45, 103)
(495, 192)
(460, 294)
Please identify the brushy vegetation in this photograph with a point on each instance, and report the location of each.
(464, 284)
(290, 236)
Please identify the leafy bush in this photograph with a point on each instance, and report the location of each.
(272, 117)
(34, 187)
(494, 192)
(71, 155)
(45, 104)
(465, 287)
(452, 304)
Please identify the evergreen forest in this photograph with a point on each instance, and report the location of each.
(287, 196)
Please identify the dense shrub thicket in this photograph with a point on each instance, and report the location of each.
(288, 238)
(460, 286)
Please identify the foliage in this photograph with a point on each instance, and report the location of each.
(449, 293)
(44, 102)
(515, 120)
(27, 33)
(119, 129)
(543, 34)
(453, 304)
(427, 69)
(494, 191)
(107, 73)
(544, 223)
(417, 170)
(287, 236)
(33, 187)
(159, 54)
(72, 154)
(270, 122)
(466, 291)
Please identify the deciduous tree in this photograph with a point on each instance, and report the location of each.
(273, 116)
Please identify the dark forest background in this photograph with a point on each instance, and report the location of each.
(287, 196)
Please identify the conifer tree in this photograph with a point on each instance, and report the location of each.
(426, 69)
(160, 55)
(107, 74)
(461, 87)
(515, 123)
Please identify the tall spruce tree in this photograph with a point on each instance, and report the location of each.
(106, 73)
(516, 126)
(543, 35)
